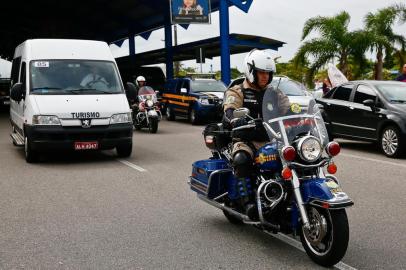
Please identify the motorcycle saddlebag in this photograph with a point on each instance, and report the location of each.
(216, 137)
(210, 177)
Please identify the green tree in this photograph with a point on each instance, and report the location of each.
(334, 42)
(380, 36)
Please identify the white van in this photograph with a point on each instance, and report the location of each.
(68, 94)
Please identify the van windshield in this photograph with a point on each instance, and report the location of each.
(79, 77)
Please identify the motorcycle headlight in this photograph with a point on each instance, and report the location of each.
(121, 118)
(45, 120)
(203, 101)
(309, 149)
(149, 103)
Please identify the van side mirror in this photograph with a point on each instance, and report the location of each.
(17, 92)
(183, 90)
(241, 112)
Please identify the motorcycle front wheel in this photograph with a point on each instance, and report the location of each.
(326, 240)
(153, 125)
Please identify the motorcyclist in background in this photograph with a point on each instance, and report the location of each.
(259, 68)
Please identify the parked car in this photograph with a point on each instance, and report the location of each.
(4, 91)
(368, 110)
(296, 92)
(196, 99)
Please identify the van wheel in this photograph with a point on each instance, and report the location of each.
(391, 142)
(31, 156)
(169, 114)
(193, 117)
(124, 150)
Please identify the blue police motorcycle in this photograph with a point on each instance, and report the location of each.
(294, 189)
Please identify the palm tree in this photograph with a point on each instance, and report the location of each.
(380, 34)
(335, 42)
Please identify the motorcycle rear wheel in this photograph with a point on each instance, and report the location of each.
(327, 240)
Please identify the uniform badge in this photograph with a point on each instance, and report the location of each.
(294, 107)
(269, 107)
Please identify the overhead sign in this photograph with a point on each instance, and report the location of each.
(190, 11)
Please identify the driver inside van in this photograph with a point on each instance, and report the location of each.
(94, 80)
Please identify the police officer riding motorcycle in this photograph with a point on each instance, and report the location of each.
(259, 68)
(272, 166)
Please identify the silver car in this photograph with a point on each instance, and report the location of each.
(296, 91)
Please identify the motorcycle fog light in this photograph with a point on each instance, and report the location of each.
(309, 149)
(149, 103)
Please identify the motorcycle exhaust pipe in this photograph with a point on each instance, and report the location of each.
(225, 208)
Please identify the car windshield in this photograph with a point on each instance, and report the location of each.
(395, 93)
(289, 87)
(53, 77)
(207, 86)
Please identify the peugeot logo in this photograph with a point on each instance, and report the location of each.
(86, 123)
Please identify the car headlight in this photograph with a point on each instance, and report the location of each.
(309, 148)
(203, 101)
(121, 118)
(149, 103)
(50, 120)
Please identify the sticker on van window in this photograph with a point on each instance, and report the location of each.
(39, 64)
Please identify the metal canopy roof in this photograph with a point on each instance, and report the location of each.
(238, 44)
(105, 20)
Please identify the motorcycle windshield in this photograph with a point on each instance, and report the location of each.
(285, 125)
(145, 93)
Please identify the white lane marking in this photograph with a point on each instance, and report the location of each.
(129, 164)
(298, 245)
(374, 160)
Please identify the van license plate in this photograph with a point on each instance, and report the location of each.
(86, 145)
(6, 102)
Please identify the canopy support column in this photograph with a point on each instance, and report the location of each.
(224, 41)
(169, 51)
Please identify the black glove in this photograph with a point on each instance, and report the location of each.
(239, 122)
(258, 123)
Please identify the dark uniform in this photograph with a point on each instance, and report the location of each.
(246, 96)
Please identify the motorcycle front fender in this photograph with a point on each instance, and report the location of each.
(152, 114)
(325, 193)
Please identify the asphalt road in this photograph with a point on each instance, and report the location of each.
(91, 211)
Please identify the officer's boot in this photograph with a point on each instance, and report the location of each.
(242, 163)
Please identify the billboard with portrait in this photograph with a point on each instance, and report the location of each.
(190, 11)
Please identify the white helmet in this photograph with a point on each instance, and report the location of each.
(139, 79)
(258, 60)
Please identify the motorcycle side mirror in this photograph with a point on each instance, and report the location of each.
(241, 112)
(17, 92)
(183, 90)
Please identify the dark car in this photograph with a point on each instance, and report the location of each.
(196, 99)
(368, 110)
(4, 92)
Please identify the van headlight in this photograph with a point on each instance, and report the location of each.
(49, 120)
(203, 101)
(120, 118)
(309, 148)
